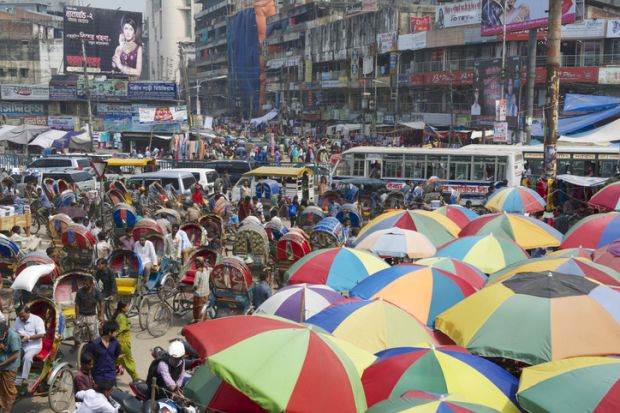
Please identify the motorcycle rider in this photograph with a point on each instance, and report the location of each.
(170, 372)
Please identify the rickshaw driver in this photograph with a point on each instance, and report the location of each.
(146, 251)
(31, 329)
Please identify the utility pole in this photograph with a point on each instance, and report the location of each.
(553, 87)
(531, 80)
(88, 98)
(185, 79)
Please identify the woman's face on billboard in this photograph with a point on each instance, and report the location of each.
(129, 32)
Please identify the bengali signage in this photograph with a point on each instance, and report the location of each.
(35, 120)
(63, 92)
(613, 28)
(500, 132)
(419, 24)
(162, 114)
(386, 42)
(457, 14)
(108, 89)
(568, 75)
(25, 92)
(457, 78)
(412, 41)
(521, 15)
(18, 109)
(67, 123)
(152, 90)
(586, 29)
(609, 75)
(112, 40)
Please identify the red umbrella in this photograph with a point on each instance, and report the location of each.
(594, 231)
(609, 255)
(608, 197)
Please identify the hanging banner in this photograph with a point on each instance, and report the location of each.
(115, 89)
(152, 90)
(386, 42)
(521, 15)
(457, 14)
(419, 24)
(159, 115)
(25, 92)
(66, 123)
(488, 85)
(308, 71)
(500, 132)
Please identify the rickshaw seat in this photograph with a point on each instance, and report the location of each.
(126, 286)
(45, 351)
(189, 277)
(69, 313)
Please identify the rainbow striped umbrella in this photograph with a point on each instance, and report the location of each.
(572, 253)
(282, 365)
(527, 232)
(572, 266)
(372, 325)
(487, 253)
(448, 369)
(516, 199)
(339, 268)
(608, 255)
(537, 317)
(575, 385)
(594, 231)
(438, 228)
(608, 197)
(460, 215)
(299, 302)
(397, 242)
(421, 291)
(415, 401)
(461, 269)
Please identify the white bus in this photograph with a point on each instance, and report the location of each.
(575, 160)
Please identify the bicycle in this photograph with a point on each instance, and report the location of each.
(38, 216)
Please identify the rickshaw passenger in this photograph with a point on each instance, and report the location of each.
(181, 245)
(106, 277)
(126, 241)
(10, 346)
(89, 309)
(31, 329)
(146, 251)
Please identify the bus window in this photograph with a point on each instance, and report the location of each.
(358, 166)
(393, 166)
(484, 168)
(564, 167)
(460, 168)
(501, 168)
(414, 166)
(437, 166)
(344, 166)
(374, 169)
(607, 168)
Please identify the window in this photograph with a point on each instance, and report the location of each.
(460, 168)
(23, 72)
(414, 166)
(2, 73)
(392, 166)
(211, 177)
(188, 182)
(437, 165)
(83, 163)
(13, 72)
(60, 163)
(501, 168)
(174, 182)
(484, 168)
(358, 165)
(607, 168)
(344, 167)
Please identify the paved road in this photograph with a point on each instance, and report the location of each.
(141, 345)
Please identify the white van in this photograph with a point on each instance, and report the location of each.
(204, 176)
(182, 182)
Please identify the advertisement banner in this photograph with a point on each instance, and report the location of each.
(35, 120)
(386, 42)
(586, 29)
(25, 92)
(488, 85)
(613, 28)
(419, 24)
(107, 89)
(457, 78)
(129, 122)
(308, 71)
(66, 123)
(501, 106)
(152, 90)
(412, 41)
(63, 92)
(17, 109)
(521, 15)
(457, 14)
(355, 64)
(112, 39)
(609, 75)
(568, 75)
(500, 132)
(158, 115)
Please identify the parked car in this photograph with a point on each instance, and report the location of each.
(182, 182)
(204, 176)
(59, 163)
(235, 168)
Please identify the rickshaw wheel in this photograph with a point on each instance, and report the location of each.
(143, 312)
(158, 319)
(168, 287)
(81, 349)
(35, 224)
(60, 394)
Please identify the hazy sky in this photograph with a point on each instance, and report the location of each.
(131, 5)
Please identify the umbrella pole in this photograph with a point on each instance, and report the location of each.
(302, 306)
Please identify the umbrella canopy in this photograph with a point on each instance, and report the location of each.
(458, 214)
(583, 384)
(422, 291)
(339, 268)
(397, 242)
(448, 369)
(571, 266)
(415, 401)
(299, 302)
(609, 255)
(438, 228)
(608, 197)
(527, 232)
(22, 134)
(572, 253)
(281, 365)
(537, 317)
(461, 269)
(487, 253)
(384, 325)
(46, 139)
(594, 231)
(516, 199)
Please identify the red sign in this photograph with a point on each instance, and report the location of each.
(419, 24)
(462, 77)
(570, 75)
(417, 80)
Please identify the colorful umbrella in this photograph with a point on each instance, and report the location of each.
(527, 232)
(422, 291)
(487, 253)
(282, 365)
(460, 215)
(397, 242)
(608, 197)
(339, 268)
(299, 302)
(461, 269)
(537, 317)
(572, 253)
(372, 325)
(448, 369)
(571, 266)
(575, 385)
(438, 228)
(415, 401)
(608, 255)
(516, 199)
(594, 231)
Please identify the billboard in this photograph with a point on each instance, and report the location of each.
(419, 24)
(112, 39)
(112, 89)
(25, 92)
(152, 90)
(457, 14)
(521, 15)
(160, 115)
(488, 85)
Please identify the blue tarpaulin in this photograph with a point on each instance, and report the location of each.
(243, 57)
(588, 103)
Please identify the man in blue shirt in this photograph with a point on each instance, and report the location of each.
(261, 291)
(105, 350)
(10, 345)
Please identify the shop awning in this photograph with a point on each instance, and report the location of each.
(46, 139)
(417, 125)
(586, 181)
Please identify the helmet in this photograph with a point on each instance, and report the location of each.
(176, 349)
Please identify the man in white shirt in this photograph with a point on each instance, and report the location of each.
(31, 329)
(146, 251)
(181, 245)
(96, 401)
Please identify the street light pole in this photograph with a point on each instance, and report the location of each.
(88, 98)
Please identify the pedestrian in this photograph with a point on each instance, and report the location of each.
(197, 198)
(10, 346)
(124, 339)
(96, 400)
(31, 329)
(261, 291)
(258, 209)
(293, 208)
(103, 247)
(106, 350)
(201, 287)
(88, 309)
(97, 229)
(83, 379)
(227, 182)
(181, 246)
(107, 281)
(245, 208)
(146, 251)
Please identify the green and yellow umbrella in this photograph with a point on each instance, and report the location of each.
(415, 401)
